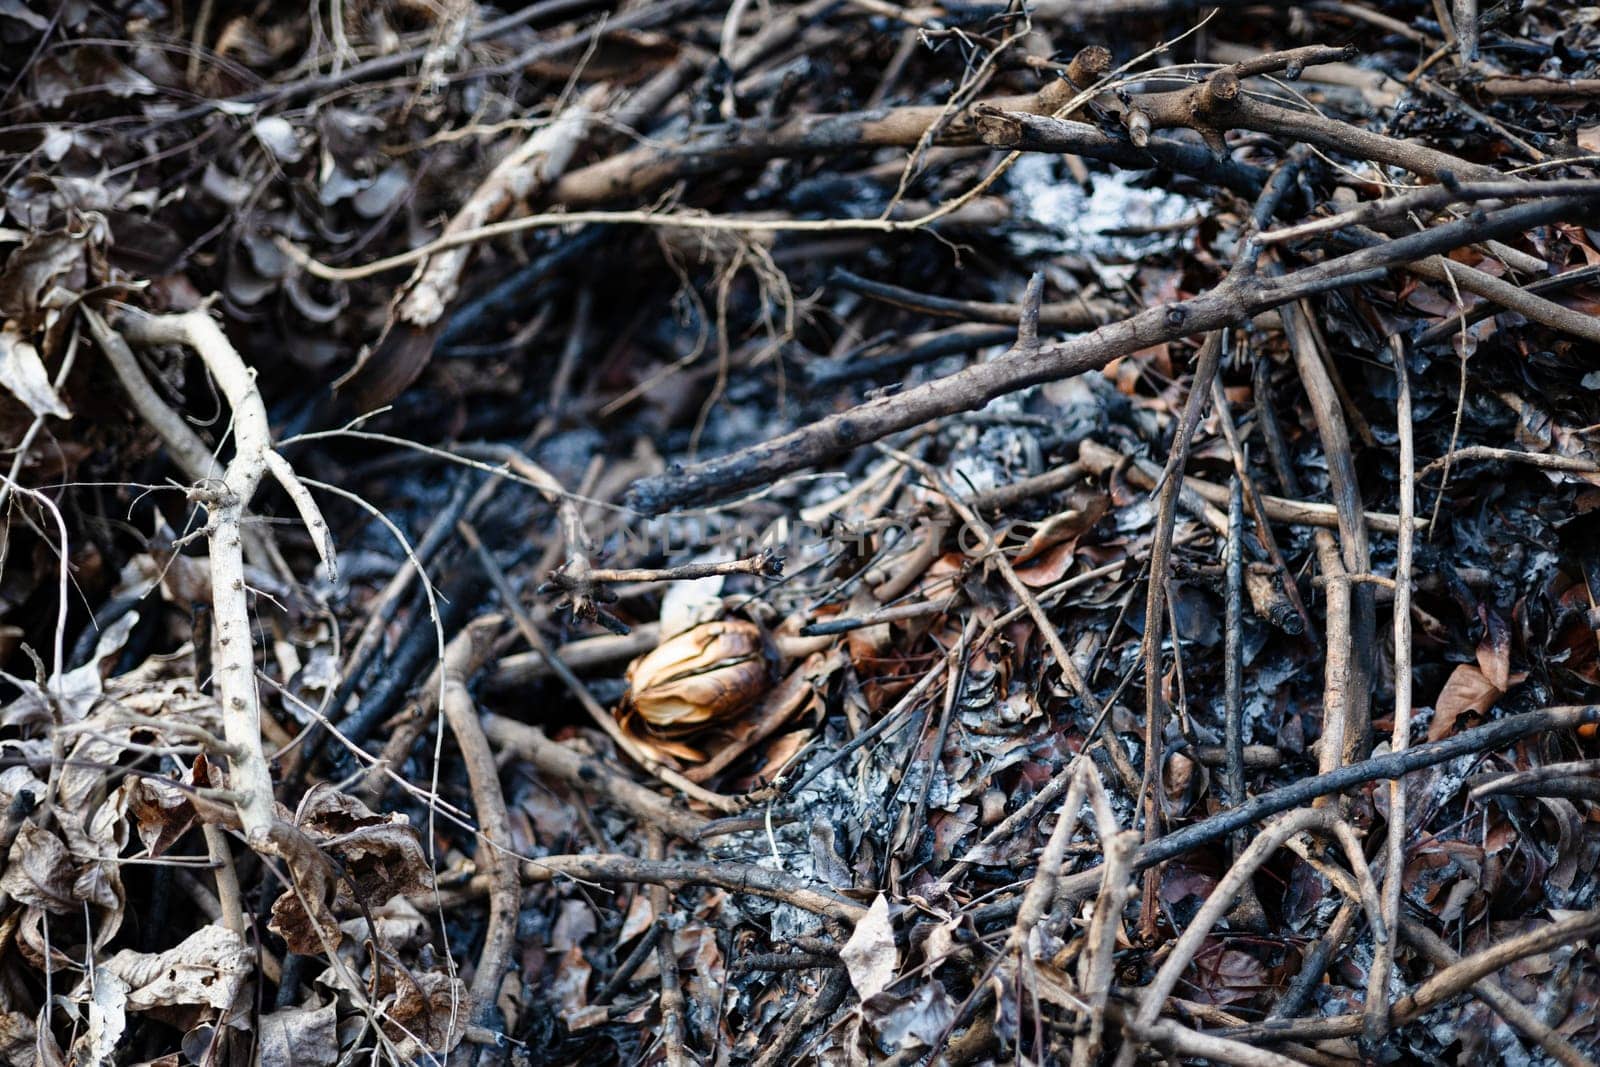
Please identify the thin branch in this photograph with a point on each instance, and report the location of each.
(234, 660)
(1099, 459)
(674, 1028)
(1233, 648)
(764, 564)
(1078, 314)
(1543, 460)
(1155, 705)
(1400, 736)
(463, 656)
(1232, 301)
(592, 776)
(1428, 199)
(1348, 659)
(734, 877)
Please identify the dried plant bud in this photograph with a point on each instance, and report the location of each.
(700, 676)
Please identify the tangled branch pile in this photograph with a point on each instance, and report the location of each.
(826, 531)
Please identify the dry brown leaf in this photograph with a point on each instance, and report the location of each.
(75, 692)
(704, 972)
(182, 579)
(424, 1012)
(670, 753)
(396, 926)
(17, 780)
(209, 967)
(640, 915)
(34, 945)
(1063, 528)
(39, 871)
(23, 375)
(381, 854)
(870, 956)
(37, 274)
(797, 691)
(867, 642)
(162, 813)
(1223, 974)
(1494, 650)
(1049, 568)
(301, 915)
(100, 881)
(779, 753)
(383, 860)
(570, 987)
(1467, 691)
(46, 1051)
(379, 857)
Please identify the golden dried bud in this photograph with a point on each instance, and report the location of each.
(704, 674)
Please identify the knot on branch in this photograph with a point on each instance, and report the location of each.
(1088, 66)
(1137, 120)
(1220, 92)
(580, 593)
(767, 564)
(212, 494)
(997, 128)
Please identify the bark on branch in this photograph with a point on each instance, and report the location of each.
(226, 502)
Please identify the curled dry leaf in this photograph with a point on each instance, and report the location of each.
(420, 1009)
(205, 974)
(39, 871)
(72, 692)
(15, 781)
(422, 1012)
(208, 969)
(22, 374)
(181, 579)
(640, 915)
(915, 1021)
(163, 812)
(379, 857)
(1047, 555)
(381, 854)
(1049, 567)
(106, 1008)
(800, 689)
(706, 674)
(42, 275)
(301, 915)
(99, 880)
(1494, 650)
